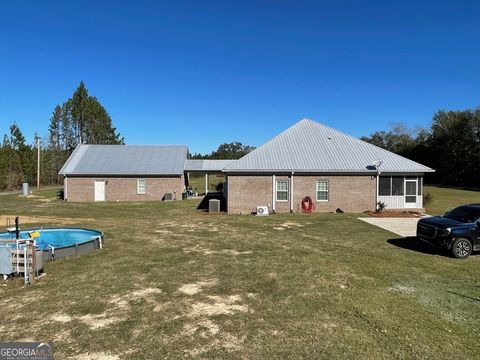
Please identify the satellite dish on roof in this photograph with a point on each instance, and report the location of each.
(376, 164)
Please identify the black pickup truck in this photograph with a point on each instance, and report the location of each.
(458, 230)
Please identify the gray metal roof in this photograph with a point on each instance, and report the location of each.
(206, 165)
(126, 160)
(309, 146)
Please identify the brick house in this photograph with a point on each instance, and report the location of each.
(124, 173)
(334, 169)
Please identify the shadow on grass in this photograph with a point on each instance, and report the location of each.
(464, 296)
(412, 243)
(213, 195)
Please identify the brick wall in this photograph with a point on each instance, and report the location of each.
(349, 193)
(244, 193)
(80, 189)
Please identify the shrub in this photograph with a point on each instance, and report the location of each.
(380, 206)
(427, 199)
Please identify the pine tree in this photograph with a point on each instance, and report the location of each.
(57, 152)
(82, 119)
(15, 159)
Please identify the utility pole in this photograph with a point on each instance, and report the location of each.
(38, 163)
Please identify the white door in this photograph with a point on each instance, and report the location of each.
(99, 190)
(411, 193)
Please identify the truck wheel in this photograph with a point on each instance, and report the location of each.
(461, 248)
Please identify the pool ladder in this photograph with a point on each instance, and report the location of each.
(24, 260)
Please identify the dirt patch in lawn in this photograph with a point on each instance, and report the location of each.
(123, 301)
(95, 356)
(219, 305)
(118, 305)
(98, 321)
(291, 224)
(164, 231)
(231, 252)
(208, 329)
(144, 292)
(40, 220)
(63, 318)
(38, 197)
(204, 328)
(192, 289)
(402, 289)
(228, 342)
(287, 225)
(94, 322)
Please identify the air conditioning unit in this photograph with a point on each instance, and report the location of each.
(262, 210)
(168, 197)
(213, 205)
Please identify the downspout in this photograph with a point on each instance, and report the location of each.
(225, 191)
(65, 188)
(291, 192)
(420, 186)
(274, 183)
(376, 190)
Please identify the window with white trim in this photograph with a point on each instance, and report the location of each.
(322, 190)
(282, 190)
(141, 186)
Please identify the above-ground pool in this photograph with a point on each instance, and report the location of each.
(51, 243)
(58, 242)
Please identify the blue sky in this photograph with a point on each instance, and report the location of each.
(206, 72)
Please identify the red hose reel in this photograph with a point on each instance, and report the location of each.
(307, 205)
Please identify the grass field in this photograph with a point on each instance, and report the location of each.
(445, 199)
(173, 282)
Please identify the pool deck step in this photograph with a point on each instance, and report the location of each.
(26, 264)
(17, 252)
(21, 261)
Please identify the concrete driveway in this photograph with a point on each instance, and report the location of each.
(400, 226)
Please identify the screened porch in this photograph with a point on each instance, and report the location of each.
(400, 192)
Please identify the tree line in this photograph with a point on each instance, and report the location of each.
(81, 119)
(450, 145)
(233, 150)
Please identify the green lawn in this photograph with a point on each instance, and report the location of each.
(445, 199)
(173, 282)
